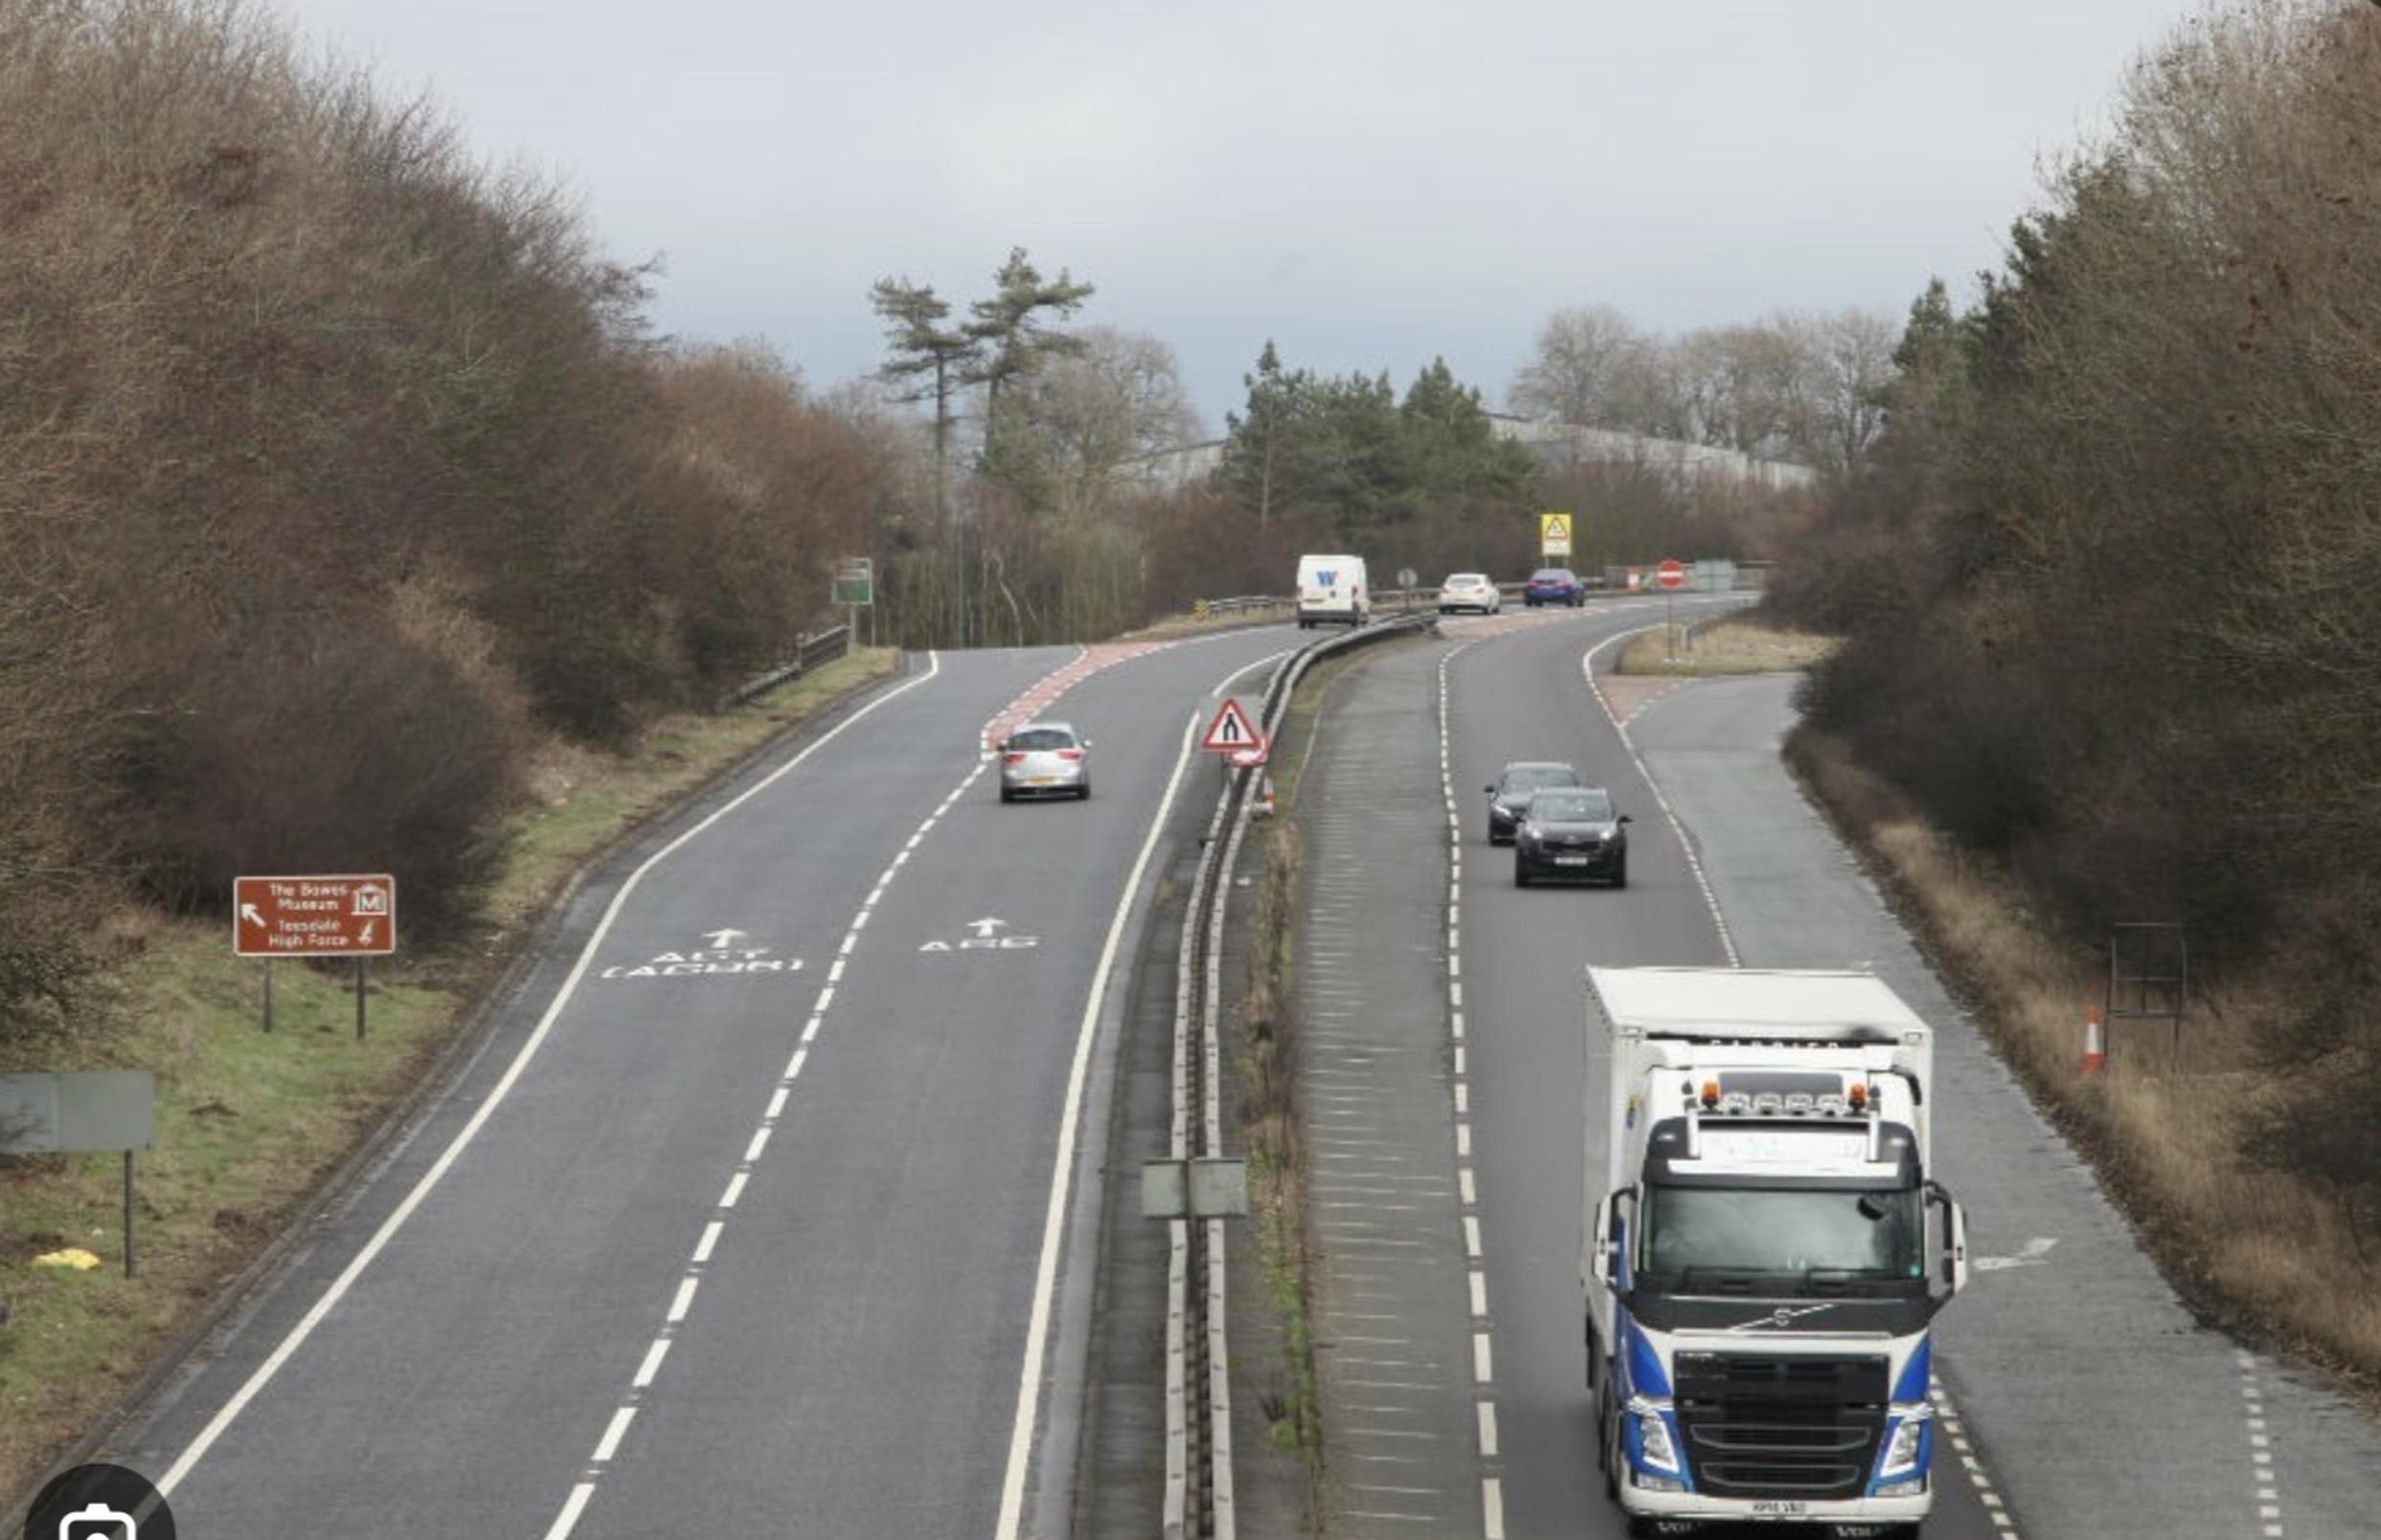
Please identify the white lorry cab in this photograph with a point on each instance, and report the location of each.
(1765, 1249)
(1333, 588)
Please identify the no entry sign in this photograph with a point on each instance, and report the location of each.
(314, 917)
(1670, 574)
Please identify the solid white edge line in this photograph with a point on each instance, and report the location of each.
(262, 1375)
(1686, 847)
(1053, 1221)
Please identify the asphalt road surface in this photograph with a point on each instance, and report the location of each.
(2080, 1398)
(746, 1219)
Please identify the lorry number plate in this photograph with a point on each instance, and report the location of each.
(1778, 1507)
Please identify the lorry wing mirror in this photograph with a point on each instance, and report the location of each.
(1618, 1239)
(1600, 1248)
(1954, 1239)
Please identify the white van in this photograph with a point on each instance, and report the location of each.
(1332, 588)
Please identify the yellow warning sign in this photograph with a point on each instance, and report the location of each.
(1554, 535)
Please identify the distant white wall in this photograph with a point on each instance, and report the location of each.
(1563, 445)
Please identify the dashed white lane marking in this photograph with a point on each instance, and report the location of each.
(652, 1364)
(571, 1507)
(1678, 829)
(1948, 1421)
(609, 1444)
(2267, 1484)
(229, 1413)
(1476, 1278)
(683, 1302)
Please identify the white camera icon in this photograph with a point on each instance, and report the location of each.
(98, 1521)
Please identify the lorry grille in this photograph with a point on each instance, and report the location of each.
(1774, 1425)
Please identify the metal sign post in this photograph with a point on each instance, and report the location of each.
(314, 917)
(1670, 574)
(855, 590)
(106, 1110)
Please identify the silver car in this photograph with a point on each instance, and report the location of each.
(1469, 590)
(1044, 759)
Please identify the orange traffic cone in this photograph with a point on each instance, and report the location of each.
(2095, 1047)
(1264, 795)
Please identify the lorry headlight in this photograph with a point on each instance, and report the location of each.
(1653, 1438)
(1906, 1450)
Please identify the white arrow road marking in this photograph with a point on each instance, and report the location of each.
(720, 938)
(984, 928)
(2034, 1254)
(248, 913)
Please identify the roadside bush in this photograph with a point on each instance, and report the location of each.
(327, 742)
(332, 468)
(2109, 575)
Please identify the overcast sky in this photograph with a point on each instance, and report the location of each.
(1369, 183)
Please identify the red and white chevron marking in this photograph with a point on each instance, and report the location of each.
(1045, 691)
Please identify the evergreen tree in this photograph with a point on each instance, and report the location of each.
(929, 362)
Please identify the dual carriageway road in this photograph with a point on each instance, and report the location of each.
(2080, 1398)
(769, 1205)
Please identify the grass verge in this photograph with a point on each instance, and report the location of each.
(1266, 1065)
(1729, 647)
(2252, 1252)
(250, 1125)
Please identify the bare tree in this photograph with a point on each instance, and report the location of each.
(1852, 353)
(1589, 360)
(1118, 397)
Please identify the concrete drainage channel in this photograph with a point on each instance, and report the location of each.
(1198, 1499)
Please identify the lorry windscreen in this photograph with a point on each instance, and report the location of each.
(1828, 1238)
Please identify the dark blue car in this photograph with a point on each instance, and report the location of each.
(1555, 585)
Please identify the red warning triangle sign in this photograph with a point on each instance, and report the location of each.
(1231, 729)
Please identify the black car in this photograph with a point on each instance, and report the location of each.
(1514, 787)
(1570, 831)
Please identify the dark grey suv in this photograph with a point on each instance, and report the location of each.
(1570, 833)
(1514, 785)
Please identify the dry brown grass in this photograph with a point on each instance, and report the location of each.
(2257, 1251)
(1266, 1061)
(1732, 647)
